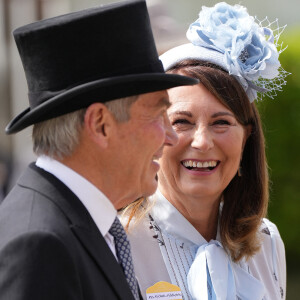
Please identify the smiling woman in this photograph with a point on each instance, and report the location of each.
(212, 190)
(205, 229)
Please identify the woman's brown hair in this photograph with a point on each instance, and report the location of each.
(245, 199)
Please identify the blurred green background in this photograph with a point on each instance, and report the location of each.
(281, 120)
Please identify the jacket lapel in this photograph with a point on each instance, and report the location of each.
(81, 225)
(99, 250)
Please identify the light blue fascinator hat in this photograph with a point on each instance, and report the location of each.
(246, 48)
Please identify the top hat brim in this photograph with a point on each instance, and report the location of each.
(101, 90)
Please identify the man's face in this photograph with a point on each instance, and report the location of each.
(139, 144)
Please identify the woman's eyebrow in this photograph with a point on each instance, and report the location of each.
(181, 112)
(222, 113)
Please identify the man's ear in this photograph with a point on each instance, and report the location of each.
(98, 122)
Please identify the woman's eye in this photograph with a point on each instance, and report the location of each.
(180, 121)
(221, 122)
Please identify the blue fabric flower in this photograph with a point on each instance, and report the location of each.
(249, 50)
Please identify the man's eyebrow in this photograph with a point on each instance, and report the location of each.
(164, 102)
(222, 113)
(182, 112)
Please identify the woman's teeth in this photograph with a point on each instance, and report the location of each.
(197, 164)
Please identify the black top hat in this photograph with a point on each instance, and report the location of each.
(94, 55)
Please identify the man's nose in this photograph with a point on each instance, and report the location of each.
(171, 136)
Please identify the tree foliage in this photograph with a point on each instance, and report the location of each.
(281, 119)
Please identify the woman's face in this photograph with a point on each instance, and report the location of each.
(210, 145)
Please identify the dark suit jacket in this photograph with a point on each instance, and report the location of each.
(50, 248)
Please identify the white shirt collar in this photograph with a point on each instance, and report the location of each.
(170, 220)
(97, 204)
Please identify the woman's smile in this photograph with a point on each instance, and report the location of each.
(200, 167)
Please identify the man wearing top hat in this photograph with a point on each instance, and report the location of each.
(97, 103)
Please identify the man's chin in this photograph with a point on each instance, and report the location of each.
(151, 188)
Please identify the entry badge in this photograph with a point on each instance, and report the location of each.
(163, 290)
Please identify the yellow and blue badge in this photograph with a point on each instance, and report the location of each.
(163, 290)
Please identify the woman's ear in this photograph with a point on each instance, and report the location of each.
(98, 122)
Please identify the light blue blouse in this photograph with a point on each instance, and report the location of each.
(166, 247)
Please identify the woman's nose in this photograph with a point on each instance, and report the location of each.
(202, 139)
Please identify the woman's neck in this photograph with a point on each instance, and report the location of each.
(201, 212)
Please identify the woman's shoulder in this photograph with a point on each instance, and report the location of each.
(271, 242)
(268, 264)
(269, 228)
(137, 227)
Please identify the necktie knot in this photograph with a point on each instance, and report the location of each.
(124, 254)
(117, 231)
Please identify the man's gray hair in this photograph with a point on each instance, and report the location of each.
(59, 137)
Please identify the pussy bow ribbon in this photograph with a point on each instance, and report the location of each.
(228, 281)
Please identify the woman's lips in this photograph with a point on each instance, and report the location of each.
(200, 166)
